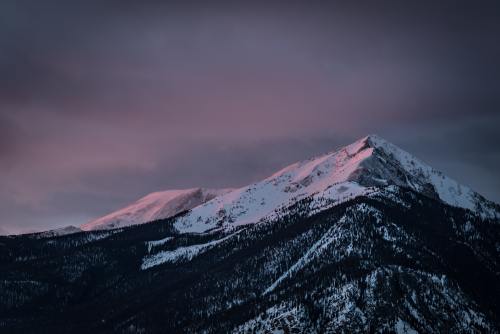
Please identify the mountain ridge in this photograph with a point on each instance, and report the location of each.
(362, 239)
(154, 206)
(370, 162)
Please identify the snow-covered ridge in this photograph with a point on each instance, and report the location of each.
(422, 178)
(157, 205)
(367, 165)
(354, 170)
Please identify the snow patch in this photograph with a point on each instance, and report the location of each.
(180, 254)
(402, 327)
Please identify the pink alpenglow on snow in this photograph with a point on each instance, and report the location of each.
(364, 167)
(157, 205)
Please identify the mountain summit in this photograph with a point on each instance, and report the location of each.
(365, 239)
(368, 165)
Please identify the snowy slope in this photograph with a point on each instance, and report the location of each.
(363, 167)
(393, 260)
(154, 206)
(420, 176)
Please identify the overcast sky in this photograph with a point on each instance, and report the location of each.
(102, 102)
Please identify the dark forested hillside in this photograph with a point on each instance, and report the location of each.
(378, 263)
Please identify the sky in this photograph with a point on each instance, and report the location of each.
(102, 102)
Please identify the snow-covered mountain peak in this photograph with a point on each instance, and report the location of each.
(390, 164)
(362, 167)
(367, 165)
(157, 205)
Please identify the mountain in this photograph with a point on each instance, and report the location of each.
(365, 166)
(363, 239)
(157, 205)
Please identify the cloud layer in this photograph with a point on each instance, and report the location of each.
(102, 102)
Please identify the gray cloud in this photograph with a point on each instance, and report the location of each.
(104, 101)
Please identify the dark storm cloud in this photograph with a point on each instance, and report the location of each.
(104, 101)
